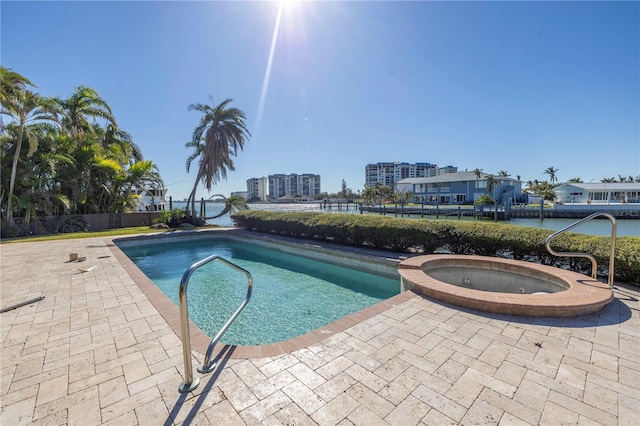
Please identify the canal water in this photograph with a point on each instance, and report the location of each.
(625, 227)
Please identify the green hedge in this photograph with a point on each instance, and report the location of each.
(428, 236)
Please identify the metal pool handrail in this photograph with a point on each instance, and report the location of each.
(190, 383)
(594, 264)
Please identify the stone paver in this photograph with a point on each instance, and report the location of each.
(99, 350)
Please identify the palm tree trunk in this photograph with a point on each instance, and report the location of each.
(12, 181)
(224, 211)
(192, 198)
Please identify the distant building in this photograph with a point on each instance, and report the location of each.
(242, 194)
(458, 188)
(257, 189)
(598, 193)
(294, 185)
(446, 169)
(388, 173)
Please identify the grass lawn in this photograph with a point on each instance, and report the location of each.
(105, 233)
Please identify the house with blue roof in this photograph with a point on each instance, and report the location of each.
(459, 188)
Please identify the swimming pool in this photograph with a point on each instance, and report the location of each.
(293, 291)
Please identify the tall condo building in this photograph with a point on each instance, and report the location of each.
(257, 189)
(281, 185)
(388, 173)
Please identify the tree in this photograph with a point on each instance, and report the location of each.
(12, 83)
(492, 183)
(85, 138)
(119, 184)
(35, 191)
(25, 107)
(383, 191)
(575, 180)
(118, 143)
(406, 196)
(369, 194)
(345, 192)
(84, 104)
(221, 133)
(232, 204)
(551, 171)
(504, 173)
(83, 160)
(478, 173)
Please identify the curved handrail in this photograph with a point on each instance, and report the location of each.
(190, 383)
(594, 264)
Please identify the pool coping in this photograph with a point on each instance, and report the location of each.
(584, 295)
(200, 341)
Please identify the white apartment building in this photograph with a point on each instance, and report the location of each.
(281, 185)
(388, 173)
(257, 189)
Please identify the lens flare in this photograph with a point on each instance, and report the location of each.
(267, 74)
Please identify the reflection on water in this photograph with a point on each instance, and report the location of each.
(626, 227)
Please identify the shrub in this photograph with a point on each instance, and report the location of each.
(484, 199)
(73, 223)
(428, 236)
(175, 217)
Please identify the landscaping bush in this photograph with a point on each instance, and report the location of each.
(73, 223)
(428, 236)
(176, 217)
(484, 199)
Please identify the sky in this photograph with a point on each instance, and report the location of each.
(498, 86)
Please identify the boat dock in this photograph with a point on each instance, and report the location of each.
(619, 211)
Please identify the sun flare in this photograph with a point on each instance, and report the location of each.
(288, 4)
(288, 11)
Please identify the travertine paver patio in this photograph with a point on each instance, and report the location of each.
(97, 351)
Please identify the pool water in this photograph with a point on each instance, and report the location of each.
(292, 295)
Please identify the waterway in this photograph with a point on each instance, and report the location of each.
(625, 227)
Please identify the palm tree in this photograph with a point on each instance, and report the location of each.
(478, 173)
(503, 173)
(575, 180)
(369, 194)
(221, 132)
(141, 174)
(383, 191)
(551, 171)
(232, 204)
(26, 108)
(492, 183)
(11, 83)
(84, 104)
(118, 142)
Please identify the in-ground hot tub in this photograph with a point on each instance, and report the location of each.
(504, 286)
